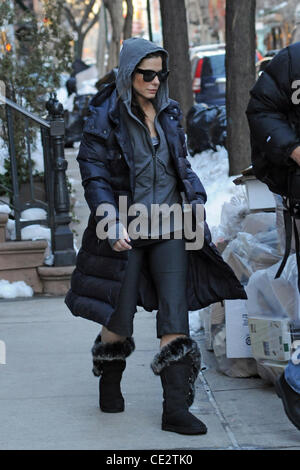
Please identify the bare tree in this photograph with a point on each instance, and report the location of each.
(101, 46)
(175, 37)
(81, 18)
(115, 9)
(127, 30)
(240, 77)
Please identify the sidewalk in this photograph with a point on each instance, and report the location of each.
(49, 396)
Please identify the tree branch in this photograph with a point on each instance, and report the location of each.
(87, 11)
(92, 23)
(127, 29)
(70, 17)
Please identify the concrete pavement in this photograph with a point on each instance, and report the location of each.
(49, 396)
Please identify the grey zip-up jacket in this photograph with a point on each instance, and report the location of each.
(156, 181)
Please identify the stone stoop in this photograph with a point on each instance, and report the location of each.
(19, 262)
(56, 280)
(23, 261)
(3, 222)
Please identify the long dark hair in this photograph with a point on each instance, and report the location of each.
(135, 106)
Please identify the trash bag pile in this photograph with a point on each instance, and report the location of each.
(206, 128)
(252, 245)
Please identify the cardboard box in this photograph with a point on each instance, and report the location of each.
(259, 195)
(238, 342)
(270, 338)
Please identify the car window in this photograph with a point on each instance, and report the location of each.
(214, 66)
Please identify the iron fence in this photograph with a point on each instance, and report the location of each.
(56, 200)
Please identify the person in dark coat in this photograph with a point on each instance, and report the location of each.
(134, 147)
(274, 119)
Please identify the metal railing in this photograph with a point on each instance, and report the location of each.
(57, 202)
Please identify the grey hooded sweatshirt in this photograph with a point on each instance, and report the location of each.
(156, 181)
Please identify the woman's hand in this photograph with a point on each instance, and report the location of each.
(121, 244)
(296, 155)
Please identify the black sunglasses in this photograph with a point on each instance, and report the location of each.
(149, 75)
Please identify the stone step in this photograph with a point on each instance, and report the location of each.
(3, 222)
(19, 262)
(56, 280)
(22, 254)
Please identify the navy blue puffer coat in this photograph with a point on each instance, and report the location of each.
(108, 171)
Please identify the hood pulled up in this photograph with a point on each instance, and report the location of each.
(134, 50)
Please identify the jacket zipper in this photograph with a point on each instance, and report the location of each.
(154, 178)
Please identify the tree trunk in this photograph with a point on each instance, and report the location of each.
(149, 21)
(116, 15)
(175, 37)
(101, 47)
(127, 30)
(240, 77)
(78, 46)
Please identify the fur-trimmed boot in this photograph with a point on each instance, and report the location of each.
(109, 364)
(178, 364)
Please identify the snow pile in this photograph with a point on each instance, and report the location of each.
(226, 204)
(4, 155)
(37, 155)
(87, 87)
(15, 289)
(4, 209)
(62, 96)
(10, 230)
(35, 232)
(212, 169)
(34, 213)
(31, 232)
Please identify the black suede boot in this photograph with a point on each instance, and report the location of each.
(109, 363)
(178, 364)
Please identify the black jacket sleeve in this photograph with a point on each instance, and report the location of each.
(269, 108)
(95, 174)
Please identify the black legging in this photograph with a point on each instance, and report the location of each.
(168, 262)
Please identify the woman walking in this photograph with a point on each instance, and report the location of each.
(133, 146)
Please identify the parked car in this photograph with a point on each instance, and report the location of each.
(209, 78)
(205, 48)
(209, 75)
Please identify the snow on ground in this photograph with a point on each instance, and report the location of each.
(3, 155)
(212, 169)
(36, 232)
(36, 155)
(15, 289)
(4, 209)
(34, 213)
